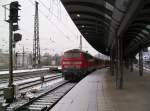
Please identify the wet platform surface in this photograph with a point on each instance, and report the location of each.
(97, 92)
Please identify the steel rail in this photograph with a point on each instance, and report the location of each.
(26, 105)
(29, 84)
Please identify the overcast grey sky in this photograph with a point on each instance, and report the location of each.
(57, 31)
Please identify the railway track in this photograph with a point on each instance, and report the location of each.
(46, 99)
(22, 77)
(28, 84)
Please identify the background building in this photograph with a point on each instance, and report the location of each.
(4, 60)
(23, 60)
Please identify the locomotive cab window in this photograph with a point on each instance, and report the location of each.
(71, 55)
(87, 56)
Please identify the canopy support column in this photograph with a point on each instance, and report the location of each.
(131, 64)
(119, 74)
(112, 62)
(141, 63)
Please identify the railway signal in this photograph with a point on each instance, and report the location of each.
(17, 37)
(14, 7)
(15, 27)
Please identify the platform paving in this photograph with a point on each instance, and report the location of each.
(97, 92)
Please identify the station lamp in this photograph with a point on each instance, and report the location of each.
(78, 15)
(82, 26)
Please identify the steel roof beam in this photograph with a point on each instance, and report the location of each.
(139, 30)
(143, 19)
(136, 5)
(136, 34)
(89, 19)
(95, 26)
(89, 4)
(92, 14)
(92, 29)
(138, 42)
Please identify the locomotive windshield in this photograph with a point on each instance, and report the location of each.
(71, 55)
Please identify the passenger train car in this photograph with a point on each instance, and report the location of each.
(76, 64)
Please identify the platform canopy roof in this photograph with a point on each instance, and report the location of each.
(102, 21)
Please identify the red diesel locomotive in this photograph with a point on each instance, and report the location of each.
(76, 64)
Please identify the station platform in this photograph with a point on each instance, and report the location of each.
(97, 92)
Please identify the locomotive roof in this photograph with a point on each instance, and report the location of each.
(76, 50)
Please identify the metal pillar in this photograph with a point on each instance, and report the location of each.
(112, 62)
(13, 19)
(9, 91)
(116, 62)
(121, 61)
(23, 53)
(119, 73)
(80, 42)
(127, 63)
(10, 54)
(14, 59)
(16, 54)
(36, 44)
(111, 67)
(131, 65)
(141, 63)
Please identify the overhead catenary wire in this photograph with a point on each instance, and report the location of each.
(54, 25)
(47, 8)
(68, 38)
(50, 7)
(57, 17)
(31, 34)
(40, 11)
(1, 3)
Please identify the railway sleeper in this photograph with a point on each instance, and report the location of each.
(36, 109)
(48, 100)
(43, 103)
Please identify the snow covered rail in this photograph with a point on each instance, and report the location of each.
(17, 73)
(23, 84)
